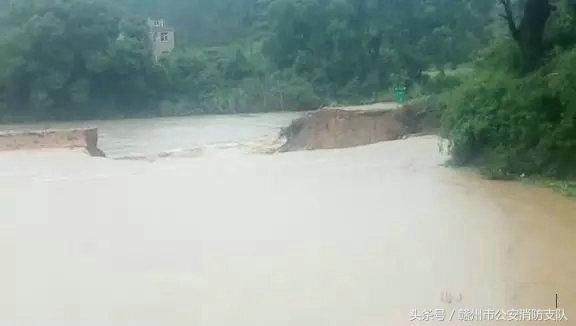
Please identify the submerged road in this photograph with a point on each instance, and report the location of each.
(350, 237)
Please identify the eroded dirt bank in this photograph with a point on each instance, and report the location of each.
(354, 126)
(86, 138)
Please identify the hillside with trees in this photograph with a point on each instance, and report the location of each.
(65, 59)
(503, 70)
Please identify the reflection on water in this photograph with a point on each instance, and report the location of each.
(343, 237)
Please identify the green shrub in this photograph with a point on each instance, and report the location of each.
(514, 125)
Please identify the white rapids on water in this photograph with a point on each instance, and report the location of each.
(347, 237)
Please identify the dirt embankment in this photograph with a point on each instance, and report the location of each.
(68, 139)
(355, 126)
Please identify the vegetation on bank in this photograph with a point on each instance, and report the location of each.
(516, 115)
(564, 187)
(505, 69)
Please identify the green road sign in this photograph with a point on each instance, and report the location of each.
(401, 94)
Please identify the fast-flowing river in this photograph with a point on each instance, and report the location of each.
(233, 236)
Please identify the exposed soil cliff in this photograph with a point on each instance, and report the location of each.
(349, 127)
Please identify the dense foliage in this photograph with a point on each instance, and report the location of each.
(74, 59)
(516, 115)
(357, 48)
(69, 59)
(511, 109)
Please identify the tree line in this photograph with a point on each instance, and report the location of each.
(503, 72)
(68, 59)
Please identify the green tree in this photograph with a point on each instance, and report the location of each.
(529, 33)
(64, 58)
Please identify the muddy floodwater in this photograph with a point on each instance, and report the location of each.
(231, 236)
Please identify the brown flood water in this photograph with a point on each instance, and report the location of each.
(347, 237)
